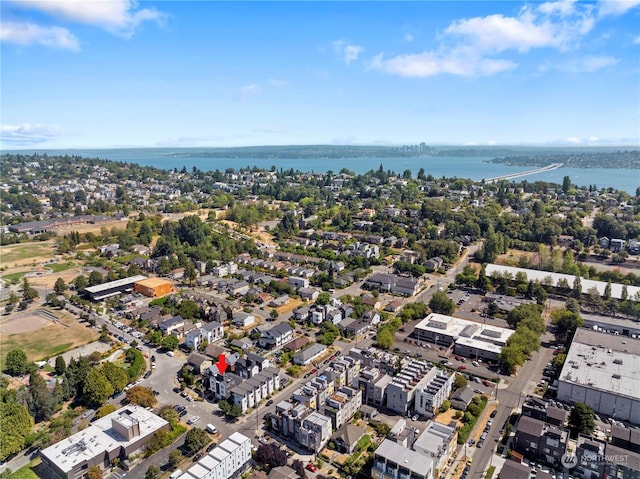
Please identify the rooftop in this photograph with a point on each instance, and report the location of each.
(114, 284)
(414, 461)
(603, 361)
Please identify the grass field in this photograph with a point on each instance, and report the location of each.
(49, 340)
(59, 267)
(17, 253)
(14, 276)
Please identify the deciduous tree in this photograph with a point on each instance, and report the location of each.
(16, 362)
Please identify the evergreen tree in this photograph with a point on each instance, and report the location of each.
(61, 365)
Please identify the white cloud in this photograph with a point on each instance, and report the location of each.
(348, 52)
(409, 37)
(30, 34)
(637, 40)
(562, 8)
(496, 33)
(616, 7)
(120, 17)
(27, 134)
(470, 46)
(427, 64)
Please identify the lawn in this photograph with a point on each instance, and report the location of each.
(14, 277)
(39, 251)
(27, 472)
(49, 340)
(59, 267)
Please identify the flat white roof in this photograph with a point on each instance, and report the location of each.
(114, 284)
(403, 457)
(596, 360)
(100, 437)
(464, 329)
(587, 284)
(480, 345)
(215, 457)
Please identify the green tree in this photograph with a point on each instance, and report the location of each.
(16, 363)
(195, 440)
(28, 292)
(274, 314)
(97, 389)
(80, 283)
(105, 410)
(94, 472)
(190, 273)
(460, 381)
(41, 403)
(441, 303)
(581, 419)
(15, 425)
(170, 342)
(153, 472)
(566, 323)
(169, 414)
(60, 286)
(384, 338)
(117, 376)
(61, 365)
(175, 458)
(323, 298)
(142, 396)
(523, 311)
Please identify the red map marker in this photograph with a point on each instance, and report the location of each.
(222, 364)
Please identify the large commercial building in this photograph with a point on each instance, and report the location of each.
(392, 283)
(633, 292)
(112, 288)
(225, 461)
(153, 287)
(603, 371)
(117, 435)
(470, 339)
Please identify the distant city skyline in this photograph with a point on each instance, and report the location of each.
(119, 73)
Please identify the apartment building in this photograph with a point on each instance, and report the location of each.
(373, 384)
(393, 461)
(401, 391)
(225, 461)
(437, 389)
(341, 406)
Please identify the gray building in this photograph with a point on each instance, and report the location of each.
(603, 371)
(305, 356)
(393, 461)
(373, 383)
(402, 389)
(541, 440)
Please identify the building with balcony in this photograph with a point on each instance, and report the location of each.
(373, 384)
(437, 389)
(225, 461)
(401, 391)
(341, 406)
(393, 461)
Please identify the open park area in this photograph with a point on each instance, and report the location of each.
(42, 333)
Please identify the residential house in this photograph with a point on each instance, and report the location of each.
(346, 438)
(243, 320)
(199, 362)
(207, 334)
(539, 439)
(305, 356)
(171, 325)
(252, 391)
(276, 337)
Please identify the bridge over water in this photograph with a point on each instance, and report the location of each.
(553, 166)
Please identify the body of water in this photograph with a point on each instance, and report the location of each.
(462, 167)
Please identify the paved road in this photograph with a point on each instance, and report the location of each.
(509, 400)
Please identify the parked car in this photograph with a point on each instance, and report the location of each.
(197, 457)
(475, 363)
(193, 420)
(478, 391)
(269, 402)
(493, 413)
(311, 467)
(462, 368)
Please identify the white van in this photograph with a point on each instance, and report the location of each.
(211, 429)
(175, 474)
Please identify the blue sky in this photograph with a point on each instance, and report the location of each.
(122, 73)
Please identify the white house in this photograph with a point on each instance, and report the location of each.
(242, 319)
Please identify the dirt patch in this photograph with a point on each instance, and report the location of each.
(49, 280)
(446, 417)
(23, 323)
(512, 257)
(21, 254)
(290, 306)
(41, 338)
